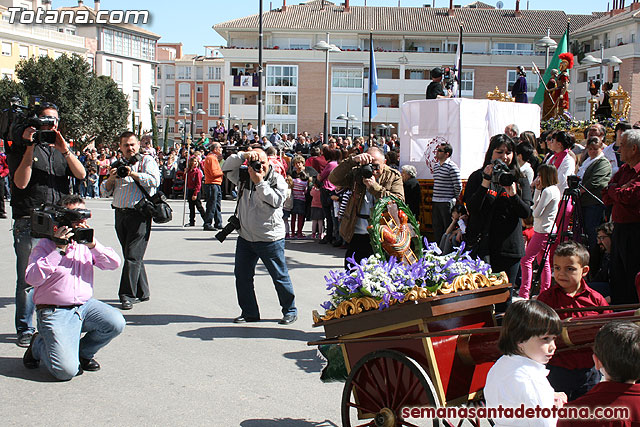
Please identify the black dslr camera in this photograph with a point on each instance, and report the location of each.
(46, 220)
(232, 225)
(122, 165)
(244, 176)
(366, 171)
(502, 175)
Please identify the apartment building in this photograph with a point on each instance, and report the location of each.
(21, 41)
(408, 43)
(614, 35)
(191, 82)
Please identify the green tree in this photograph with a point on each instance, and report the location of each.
(10, 89)
(91, 107)
(154, 124)
(165, 136)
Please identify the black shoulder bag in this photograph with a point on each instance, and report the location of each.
(154, 207)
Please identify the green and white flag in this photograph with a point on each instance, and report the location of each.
(555, 62)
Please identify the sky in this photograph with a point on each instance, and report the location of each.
(191, 21)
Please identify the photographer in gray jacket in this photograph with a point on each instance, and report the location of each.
(261, 195)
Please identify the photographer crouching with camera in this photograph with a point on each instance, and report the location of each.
(128, 179)
(498, 196)
(41, 165)
(258, 219)
(370, 179)
(61, 272)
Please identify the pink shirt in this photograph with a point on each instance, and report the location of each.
(316, 201)
(66, 279)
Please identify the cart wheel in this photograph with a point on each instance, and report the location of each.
(384, 382)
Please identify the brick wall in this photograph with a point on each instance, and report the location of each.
(487, 78)
(311, 91)
(630, 82)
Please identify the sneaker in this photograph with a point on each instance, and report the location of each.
(287, 236)
(288, 319)
(28, 360)
(300, 236)
(24, 339)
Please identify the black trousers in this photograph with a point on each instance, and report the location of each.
(193, 205)
(133, 231)
(625, 262)
(2, 211)
(440, 218)
(359, 247)
(327, 208)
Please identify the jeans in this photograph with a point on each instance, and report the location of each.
(272, 256)
(22, 244)
(213, 196)
(59, 345)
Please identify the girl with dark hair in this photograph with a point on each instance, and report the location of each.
(530, 137)
(542, 147)
(495, 211)
(562, 158)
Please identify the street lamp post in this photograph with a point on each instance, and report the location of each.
(602, 61)
(186, 112)
(326, 47)
(346, 118)
(546, 43)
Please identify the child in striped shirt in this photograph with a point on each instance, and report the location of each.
(298, 211)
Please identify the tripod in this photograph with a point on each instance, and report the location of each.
(566, 228)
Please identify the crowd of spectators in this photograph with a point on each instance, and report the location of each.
(507, 225)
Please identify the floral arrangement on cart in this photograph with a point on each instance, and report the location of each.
(395, 274)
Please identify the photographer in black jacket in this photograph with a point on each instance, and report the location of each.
(40, 174)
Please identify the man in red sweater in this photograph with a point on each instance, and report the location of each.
(623, 193)
(616, 354)
(212, 188)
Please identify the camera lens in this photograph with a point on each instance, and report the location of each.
(366, 171)
(256, 165)
(122, 171)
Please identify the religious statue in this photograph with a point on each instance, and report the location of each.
(561, 92)
(519, 89)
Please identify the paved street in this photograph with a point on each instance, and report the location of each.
(181, 361)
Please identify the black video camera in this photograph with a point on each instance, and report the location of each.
(501, 174)
(447, 78)
(46, 220)
(123, 165)
(18, 117)
(232, 225)
(573, 182)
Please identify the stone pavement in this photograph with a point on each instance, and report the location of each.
(180, 360)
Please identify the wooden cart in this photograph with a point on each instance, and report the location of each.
(434, 352)
(387, 374)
